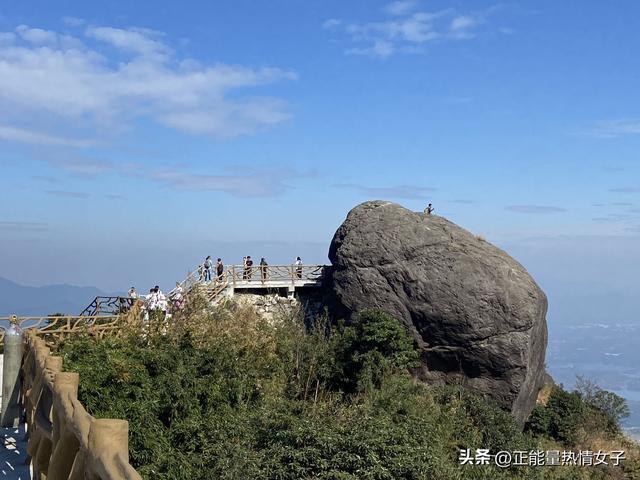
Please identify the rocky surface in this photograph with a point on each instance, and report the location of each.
(274, 307)
(476, 314)
(271, 307)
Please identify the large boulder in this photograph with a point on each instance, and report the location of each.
(476, 314)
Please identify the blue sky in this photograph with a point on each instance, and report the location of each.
(136, 138)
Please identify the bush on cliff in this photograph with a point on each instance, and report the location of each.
(570, 416)
(364, 353)
(612, 406)
(224, 394)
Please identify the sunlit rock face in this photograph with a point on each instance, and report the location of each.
(476, 314)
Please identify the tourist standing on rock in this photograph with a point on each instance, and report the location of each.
(248, 267)
(263, 269)
(219, 268)
(429, 210)
(298, 264)
(208, 265)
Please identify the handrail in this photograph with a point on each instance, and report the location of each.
(272, 273)
(65, 441)
(103, 313)
(235, 275)
(54, 326)
(108, 306)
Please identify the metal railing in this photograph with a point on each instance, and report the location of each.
(269, 273)
(108, 306)
(258, 275)
(276, 273)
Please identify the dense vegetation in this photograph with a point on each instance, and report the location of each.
(224, 394)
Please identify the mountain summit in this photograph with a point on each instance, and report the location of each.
(476, 314)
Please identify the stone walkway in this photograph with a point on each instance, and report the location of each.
(13, 452)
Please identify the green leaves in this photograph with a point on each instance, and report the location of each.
(374, 346)
(225, 395)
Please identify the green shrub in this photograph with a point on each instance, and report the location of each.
(612, 406)
(224, 395)
(375, 345)
(561, 417)
(588, 409)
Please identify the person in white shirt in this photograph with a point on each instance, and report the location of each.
(151, 300)
(161, 300)
(149, 304)
(133, 296)
(298, 264)
(177, 297)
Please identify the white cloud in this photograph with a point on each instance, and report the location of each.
(463, 22)
(36, 35)
(332, 23)
(73, 21)
(229, 120)
(416, 28)
(27, 136)
(259, 184)
(7, 37)
(78, 82)
(462, 25)
(616, 128)
(380, 48)
(86, 167)
(401, 7)
(66, 194)
(137, 41)
(406, 30)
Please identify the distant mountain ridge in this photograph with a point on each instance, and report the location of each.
(22, 300)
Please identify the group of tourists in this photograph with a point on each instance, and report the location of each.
(157, 301)
(207, 268)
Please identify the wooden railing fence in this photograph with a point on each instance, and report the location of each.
(65, 442)
(54, 328)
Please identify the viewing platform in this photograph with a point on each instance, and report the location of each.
(285, 279)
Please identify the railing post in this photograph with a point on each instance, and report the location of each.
(65, 443)
(108, 439)
(12, 360)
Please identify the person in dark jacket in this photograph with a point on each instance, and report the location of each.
(248, 267)
(219, 268)
(263, 269)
